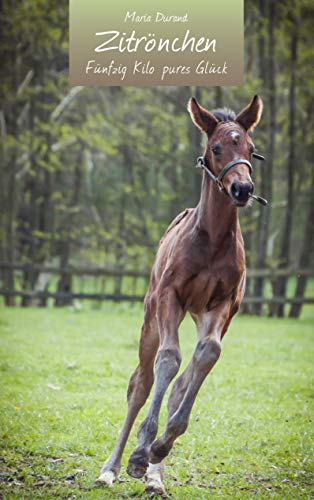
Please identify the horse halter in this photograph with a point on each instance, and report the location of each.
(218, 180)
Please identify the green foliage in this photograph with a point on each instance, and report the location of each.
(97, 174)
(64, 376)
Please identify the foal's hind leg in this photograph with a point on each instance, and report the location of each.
(211, 327)
(139, 388)
(169, 316)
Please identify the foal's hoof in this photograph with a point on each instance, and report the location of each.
(136, 470)
(138, 463)
(158, 452)
(107, 477)
(154, 481)
(154, 488)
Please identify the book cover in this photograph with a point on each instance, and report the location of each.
(156, 248)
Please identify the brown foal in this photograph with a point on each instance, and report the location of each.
(200, 269)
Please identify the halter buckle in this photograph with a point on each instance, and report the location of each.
(220, 184)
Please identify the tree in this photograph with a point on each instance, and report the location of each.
(267, 173)
(285, 250)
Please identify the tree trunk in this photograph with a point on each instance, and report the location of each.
(248, 245)
(65, 281)
(10, 235)
(284, 257)
(195, 142)
(218, 97)
(306, 253)
(120, 246)
(11, 193)
(30, 222)
(267, 172)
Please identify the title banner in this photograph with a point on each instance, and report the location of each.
(156, 43)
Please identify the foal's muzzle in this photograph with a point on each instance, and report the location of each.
(241, 191)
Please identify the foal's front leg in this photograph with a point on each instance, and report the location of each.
(211, 327)
(154, 479)
(169, 317)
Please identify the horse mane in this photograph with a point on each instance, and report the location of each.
(224, 115)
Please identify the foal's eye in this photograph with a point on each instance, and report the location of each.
(215, 150)
(251, 148)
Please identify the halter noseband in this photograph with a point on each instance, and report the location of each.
(218, 180)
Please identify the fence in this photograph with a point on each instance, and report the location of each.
(36, 284)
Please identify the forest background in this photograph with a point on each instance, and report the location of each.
(92, 176)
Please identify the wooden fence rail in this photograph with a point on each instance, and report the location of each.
(63, 285)
(79, 271)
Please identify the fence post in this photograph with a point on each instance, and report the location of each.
(8, 282)
(64, 287)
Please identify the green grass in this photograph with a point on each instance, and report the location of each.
(250, 430)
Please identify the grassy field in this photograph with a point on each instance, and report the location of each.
(64, 375)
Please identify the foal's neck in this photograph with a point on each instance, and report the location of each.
(216, 214)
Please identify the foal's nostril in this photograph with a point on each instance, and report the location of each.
(241, 191)
(235, 189)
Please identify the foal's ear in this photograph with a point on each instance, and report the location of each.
(202, 118)
(251, 114)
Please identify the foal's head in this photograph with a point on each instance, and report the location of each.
(228, 140)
